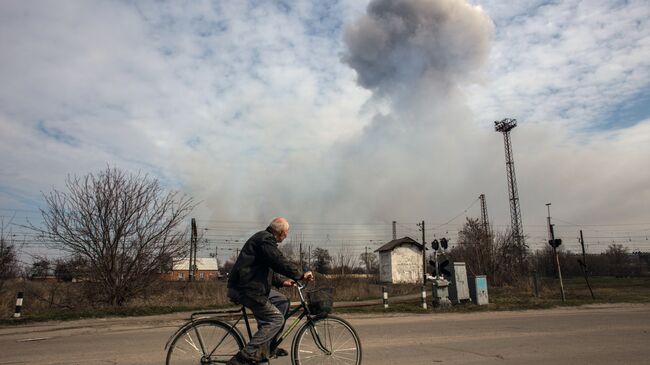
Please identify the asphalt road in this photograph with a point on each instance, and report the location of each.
(602, 334)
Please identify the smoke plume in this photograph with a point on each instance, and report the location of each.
(401, 45)
(413, 55)
(406, 163)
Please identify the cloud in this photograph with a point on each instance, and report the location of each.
(576, 61)
(334, 111)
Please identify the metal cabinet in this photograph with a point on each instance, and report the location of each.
(459, 289)
(478, 290)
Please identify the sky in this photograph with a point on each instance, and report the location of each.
(337, 113)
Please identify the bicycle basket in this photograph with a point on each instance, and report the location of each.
(321, 301)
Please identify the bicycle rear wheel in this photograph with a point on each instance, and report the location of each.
(329, 340)
(206, 341)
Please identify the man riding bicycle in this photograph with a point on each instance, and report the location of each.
(259, 265)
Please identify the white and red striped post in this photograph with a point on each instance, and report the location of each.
(424, 297)
(19, 304)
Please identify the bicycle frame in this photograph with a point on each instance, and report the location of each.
(233, 326)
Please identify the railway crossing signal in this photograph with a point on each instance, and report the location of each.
(440, 268)
(444, 243)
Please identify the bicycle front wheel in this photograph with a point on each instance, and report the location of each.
(329, 340)
(206, 341)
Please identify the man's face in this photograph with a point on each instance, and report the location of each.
(283, 234)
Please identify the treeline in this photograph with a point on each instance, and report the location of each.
(342, 262)
(122, 231)
(615, 261)
(498, 257)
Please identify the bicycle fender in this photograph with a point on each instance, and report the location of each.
(307, 323)
(179, 330)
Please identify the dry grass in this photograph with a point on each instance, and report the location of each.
(59, 299)
(45, 301)
(606, 290)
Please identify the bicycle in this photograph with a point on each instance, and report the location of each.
(321, 339)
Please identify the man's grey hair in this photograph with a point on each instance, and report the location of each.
(279, 225)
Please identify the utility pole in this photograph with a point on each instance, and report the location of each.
(366, 259)
(196, 249)
(424, 267)
(189, 269)
(300, 255)
(216, 255)
(193, 239)
(394, 230)
(424, 253)
(551, 241)
(583, 264)
(309, 257)
(505, 126)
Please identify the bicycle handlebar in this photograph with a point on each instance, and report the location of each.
(300, 284)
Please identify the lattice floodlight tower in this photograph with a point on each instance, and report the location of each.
(484, 216)
(505, 126)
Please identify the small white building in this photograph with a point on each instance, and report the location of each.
(206, 269)
(400, 261)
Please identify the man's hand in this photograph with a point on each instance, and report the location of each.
(288, 283)
(308, 276)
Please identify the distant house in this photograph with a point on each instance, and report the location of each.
(206, 269)
(50, 278)
(400, 261)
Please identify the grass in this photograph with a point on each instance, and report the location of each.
(606, 289)
(67, 315)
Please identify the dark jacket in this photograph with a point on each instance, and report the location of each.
(258, 264)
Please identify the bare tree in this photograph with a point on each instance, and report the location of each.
(370, 262)
(476, 248)
(70, 268)
(8, 258)
(618, 259)
(125, 226)
(41, 268)
(289, 249)
(228, 265)
(344, 260)
(321, 260)
(496, 255)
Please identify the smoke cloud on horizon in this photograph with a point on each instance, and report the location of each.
(407, 163)
(336, 112)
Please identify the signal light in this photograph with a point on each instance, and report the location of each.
(443, 268)
(435, 245)
(555, 243)
(444, 243)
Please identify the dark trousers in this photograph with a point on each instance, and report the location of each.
(269, 313)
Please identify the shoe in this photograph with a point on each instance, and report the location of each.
(280, 352)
